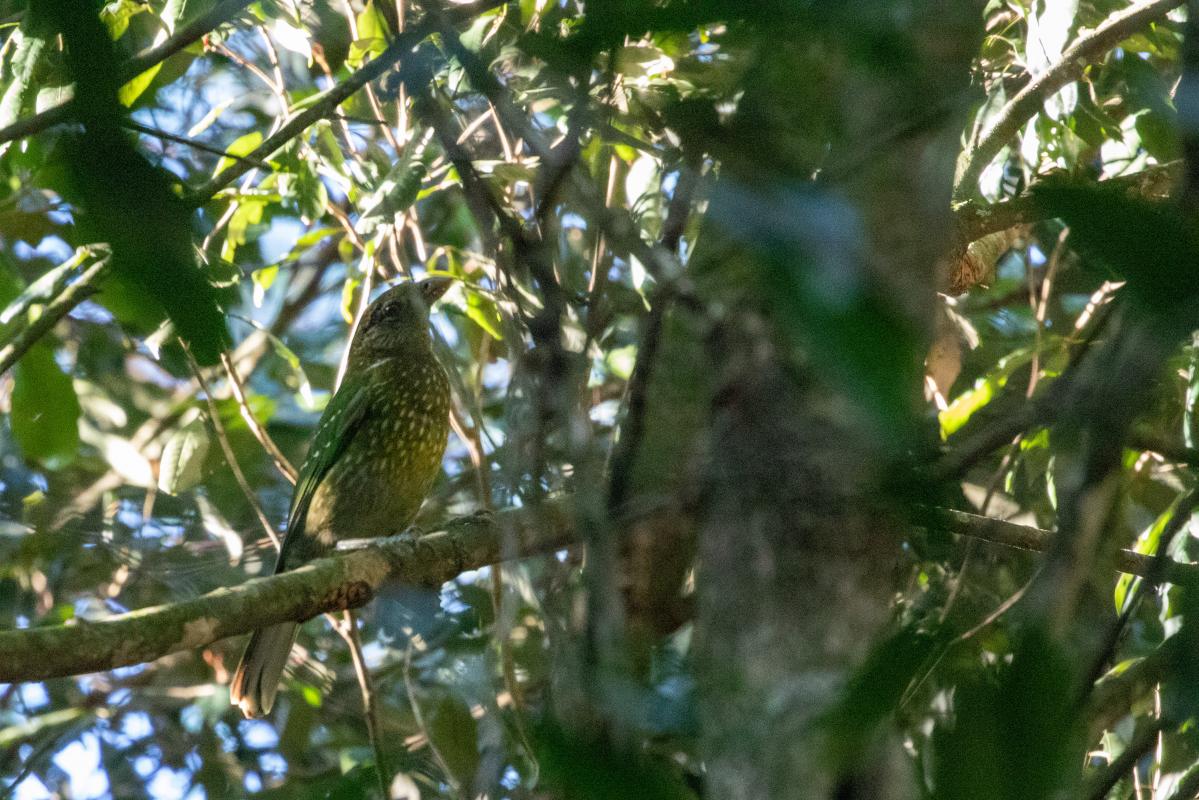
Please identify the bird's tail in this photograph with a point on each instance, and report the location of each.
(256, 681)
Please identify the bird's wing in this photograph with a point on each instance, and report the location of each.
(342, 419)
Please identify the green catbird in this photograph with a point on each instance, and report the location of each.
(377, 450)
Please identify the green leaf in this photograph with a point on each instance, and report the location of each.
(183, 457)
(872, 695)
(116, 15)
(482, 310)
(249, 212)
(1024, 722)
(241, 146)
(263, 280)
(372, 36)
(45, 409)
(311, 196)
(30, 44)
(575, 766)
(136, 86)
(985, 389)
(455, 733)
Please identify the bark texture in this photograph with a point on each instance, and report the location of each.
(797, 541)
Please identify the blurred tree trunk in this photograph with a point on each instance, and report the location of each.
(825, 292)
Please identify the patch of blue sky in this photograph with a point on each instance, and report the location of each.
(258, 734)
(169, 784)
(53, 248)
(115, 607)
(373, 654)
(273, 764)
(572, 220)
(32, 788)
(604, 412)
(136, 725)
(33, 695)
(192, 719)
(279, 238)
(496, 373)
(226, 737)
(445, 329)
(128, 672)
(321, 312)
(1036, 256)
(80, 760)
(144, 766)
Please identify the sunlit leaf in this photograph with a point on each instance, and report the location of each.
(219, 528)
(116, 15)
(263, 280)
(483, 312)
(372, 36)
(182, 462)
(242, 146)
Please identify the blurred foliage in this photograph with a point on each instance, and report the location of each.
(115, 492)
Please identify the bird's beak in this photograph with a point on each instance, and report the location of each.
(433, 288)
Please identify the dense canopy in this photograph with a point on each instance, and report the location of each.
(824, 389)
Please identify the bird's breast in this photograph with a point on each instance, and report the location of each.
(378, 484)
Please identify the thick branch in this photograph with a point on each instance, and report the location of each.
(1024, 537)
(1029, 100)
(350, 580)
(329, 584)
(976, 220)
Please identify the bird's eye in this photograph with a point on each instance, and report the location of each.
(389, 312)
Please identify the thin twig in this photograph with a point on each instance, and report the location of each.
(1142, 743)
(976, 219)
(62, 305)
(349, 632)
(214, 417)
(235, 386)
(414, 704)
(192, 143)
(1025, 537)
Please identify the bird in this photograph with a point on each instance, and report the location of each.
(376, 453)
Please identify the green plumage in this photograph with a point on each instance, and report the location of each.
(376, 453)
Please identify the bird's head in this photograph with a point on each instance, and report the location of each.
(397, 320)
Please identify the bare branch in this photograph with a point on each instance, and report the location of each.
(1024, 537)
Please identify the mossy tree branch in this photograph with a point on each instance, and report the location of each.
(329, 584)
(976, 220)
(350, 580)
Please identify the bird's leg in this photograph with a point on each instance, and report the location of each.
(350, 545)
